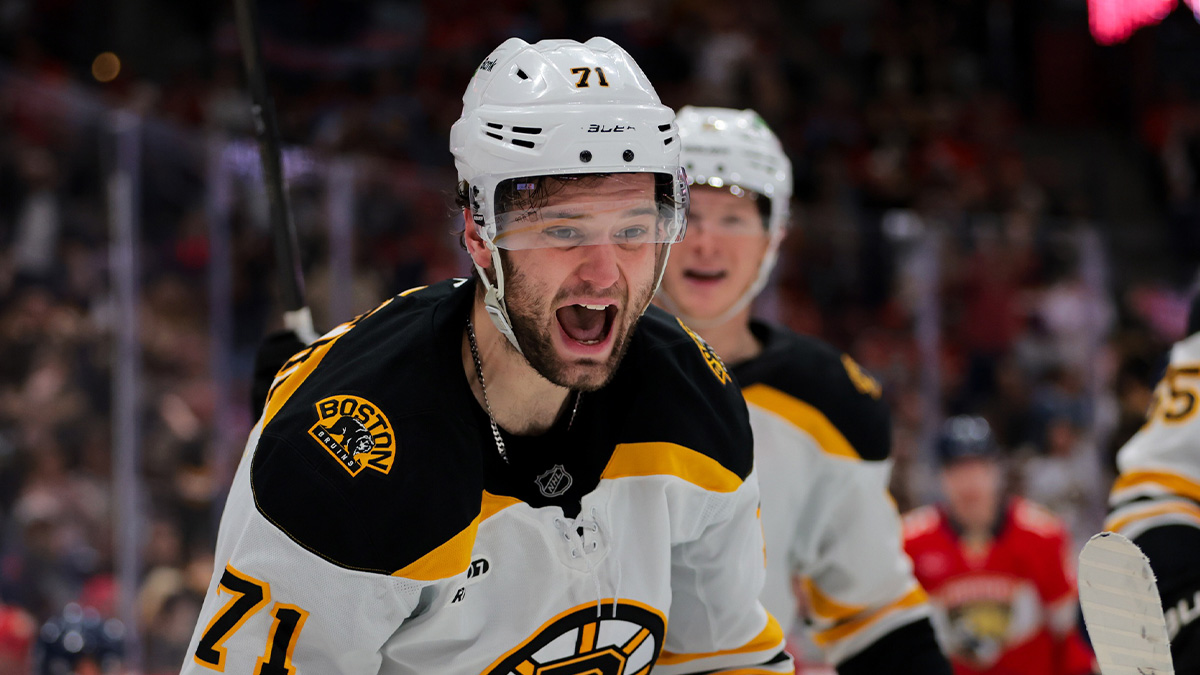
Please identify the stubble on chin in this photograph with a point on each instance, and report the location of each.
(533, 322)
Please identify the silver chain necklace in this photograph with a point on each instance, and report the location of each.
(500, 447)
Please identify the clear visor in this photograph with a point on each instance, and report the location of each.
(627, 210)
(728, 210)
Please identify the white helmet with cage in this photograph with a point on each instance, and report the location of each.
(560, 108)
(735, 149)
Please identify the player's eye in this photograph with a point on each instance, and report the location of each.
(735, 223)
(563, 235)
(632, 234)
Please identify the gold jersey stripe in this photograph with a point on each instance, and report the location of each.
(771, 637)
(297, 369)
(669, 459)
(1119, 523)
(826, 607)
(913, 598)
(749, 671)
(803, 416)
(1173, 482)
(454, 555)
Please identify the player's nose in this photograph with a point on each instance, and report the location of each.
(599, 265)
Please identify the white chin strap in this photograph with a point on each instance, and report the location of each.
(764, 274)
(493, 297)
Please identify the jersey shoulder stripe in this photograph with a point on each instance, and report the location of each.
(366, 431)
(668, 459)
(673, 390)
(820, 390)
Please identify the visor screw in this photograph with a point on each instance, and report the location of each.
(585, 156)
(628, 155)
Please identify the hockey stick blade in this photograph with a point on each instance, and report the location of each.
(1122, 609)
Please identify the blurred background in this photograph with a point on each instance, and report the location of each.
(995, 214)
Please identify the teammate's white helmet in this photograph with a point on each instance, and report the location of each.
(724, 147)
(735, 149)
(559, 107)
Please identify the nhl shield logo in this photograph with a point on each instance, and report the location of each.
(356, 433)
(554, 482)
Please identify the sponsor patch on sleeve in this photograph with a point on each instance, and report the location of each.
(356, 433)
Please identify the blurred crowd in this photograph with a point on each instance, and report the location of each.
(993, 216)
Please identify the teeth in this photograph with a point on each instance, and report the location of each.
(595, 307)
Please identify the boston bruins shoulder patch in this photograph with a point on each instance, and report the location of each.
(356, 432)
(710, 356)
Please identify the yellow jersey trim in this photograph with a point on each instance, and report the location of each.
(297, 369)
(1120, 523)
(913, 598)
(454, 555)
(669, 459)
(771, 637)
(1173, 482)
(826, 607)
(803, 416)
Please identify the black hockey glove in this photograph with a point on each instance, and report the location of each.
(274, 351)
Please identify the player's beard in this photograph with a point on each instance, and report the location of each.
(531, 313)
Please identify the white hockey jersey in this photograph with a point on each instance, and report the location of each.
(373, 528)
(1159, 482)
(822, 439)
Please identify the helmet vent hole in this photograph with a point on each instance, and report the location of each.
(521, 74)
(668, 139)
(627, 155)
(527, 130)
(495, 126)
(495, 136)
(585, 156)
(664, 127)
(522, 142)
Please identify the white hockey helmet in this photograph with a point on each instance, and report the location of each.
(559, 107)
(735, 149)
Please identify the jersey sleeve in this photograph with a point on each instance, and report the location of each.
(857, 579)
(273, 606)
(716, 623)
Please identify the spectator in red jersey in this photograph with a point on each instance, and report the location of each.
(997, 570)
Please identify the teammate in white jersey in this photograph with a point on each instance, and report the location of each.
(517, 473)
(821, 431)
(1156, 499)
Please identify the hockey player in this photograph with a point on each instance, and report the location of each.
(520, 472)
(1156, 499)
(996, 569)
(821, 431)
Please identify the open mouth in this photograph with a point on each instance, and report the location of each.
(704, 275)
(587, 324)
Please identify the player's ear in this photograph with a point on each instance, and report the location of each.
(473, 239)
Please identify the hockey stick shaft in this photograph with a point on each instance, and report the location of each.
(290, 275)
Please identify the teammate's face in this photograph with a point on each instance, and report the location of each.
(972, 489)
(573, 309)
(718, 260)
